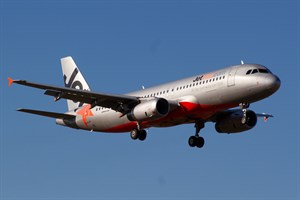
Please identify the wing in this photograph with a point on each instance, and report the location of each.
(120, 103)
(48, 114)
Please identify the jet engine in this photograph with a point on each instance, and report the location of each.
(149, 110)
(232, 123)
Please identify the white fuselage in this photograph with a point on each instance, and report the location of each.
(191, 99)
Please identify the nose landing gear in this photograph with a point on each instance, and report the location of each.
(197, 141)
(244, 107)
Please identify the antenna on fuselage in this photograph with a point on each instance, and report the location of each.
(143, 87)
(242, 62)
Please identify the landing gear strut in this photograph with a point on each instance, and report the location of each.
(197, 141)
(244, 107)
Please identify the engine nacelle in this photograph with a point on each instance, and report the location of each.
(149, 110)
(232, 123)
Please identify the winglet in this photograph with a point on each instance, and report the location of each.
(10, 81)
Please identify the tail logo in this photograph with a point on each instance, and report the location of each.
(74, 84)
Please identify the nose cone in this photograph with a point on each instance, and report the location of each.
(272, 83)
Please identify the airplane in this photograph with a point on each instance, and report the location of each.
(208, 97)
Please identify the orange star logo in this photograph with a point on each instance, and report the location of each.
(85, 112)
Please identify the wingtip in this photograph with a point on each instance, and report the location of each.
(10, 81)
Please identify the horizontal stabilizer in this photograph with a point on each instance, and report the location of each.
(47, 114)
(264, 115)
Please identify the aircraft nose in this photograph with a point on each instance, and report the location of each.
(273, 83)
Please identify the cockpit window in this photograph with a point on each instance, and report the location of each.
(258, 70)
(263, 71)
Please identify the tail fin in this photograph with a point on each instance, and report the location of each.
(73, 79)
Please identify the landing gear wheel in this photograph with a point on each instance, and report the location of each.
(196, 141)
(244, 107)
(138, 134)
(142, 135)
(192, 141)
(244, 119)
(200, 142)
(134, 134)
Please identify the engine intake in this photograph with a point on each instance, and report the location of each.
(149, 110)
(232, 123)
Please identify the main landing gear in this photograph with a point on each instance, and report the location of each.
(244, 107)
(197, 141)
(138, 134)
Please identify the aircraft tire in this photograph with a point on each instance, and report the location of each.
(134, 134)
(192, 141)
(243, 120)
(200, 142)
(142, 135)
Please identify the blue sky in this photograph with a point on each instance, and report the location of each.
(120, 46)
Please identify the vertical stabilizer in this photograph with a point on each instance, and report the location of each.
(73, 79)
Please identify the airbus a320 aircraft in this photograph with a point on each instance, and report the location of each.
(195, 100)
